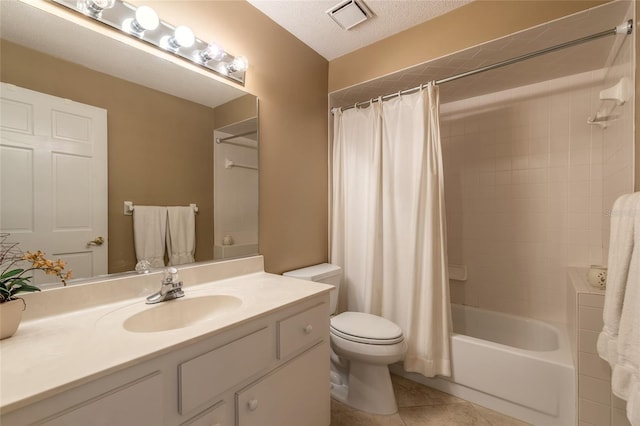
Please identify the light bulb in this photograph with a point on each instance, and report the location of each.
(183, 36)
(145, 19)
(212, 52)
(239, 63)
(95, 7)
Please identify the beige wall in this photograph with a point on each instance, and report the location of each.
(237, 110)
(290, 81)
(637, 105)
(160, 149)
(474, 23)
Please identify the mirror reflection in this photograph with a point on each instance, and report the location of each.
(90, 122)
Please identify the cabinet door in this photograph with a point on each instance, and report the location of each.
(136, 403)
(295, 394)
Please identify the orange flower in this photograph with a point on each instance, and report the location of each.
(49, 267)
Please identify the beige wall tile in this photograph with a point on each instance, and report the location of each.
(593, 366)
(587, 341)
(592, 300)
(618, 403)
(619, 417)
(595, 390)
(590, 318)
(593, 413)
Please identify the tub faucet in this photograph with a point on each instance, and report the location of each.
(170, 288)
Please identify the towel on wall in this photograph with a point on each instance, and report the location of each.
(149, 234)
(619, 341)
(181, 235)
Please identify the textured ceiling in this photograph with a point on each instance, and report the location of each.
(307, 20)
(585, 57)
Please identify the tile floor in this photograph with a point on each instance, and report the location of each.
(419, 405)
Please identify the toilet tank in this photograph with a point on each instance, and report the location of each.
(325, 273)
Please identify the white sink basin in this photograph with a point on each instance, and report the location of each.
(180, 313)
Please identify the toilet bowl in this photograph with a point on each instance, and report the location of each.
(362, 347)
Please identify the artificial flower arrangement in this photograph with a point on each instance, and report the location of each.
(14, 279)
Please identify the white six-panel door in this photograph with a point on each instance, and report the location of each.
(53, 178)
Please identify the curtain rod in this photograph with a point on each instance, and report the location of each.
(239, 135)
(626, 28)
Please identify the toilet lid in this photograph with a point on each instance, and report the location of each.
(366, 328)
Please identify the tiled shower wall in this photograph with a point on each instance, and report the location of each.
(524, 193)
(618, 154)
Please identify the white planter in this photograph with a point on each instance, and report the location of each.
(10, 316)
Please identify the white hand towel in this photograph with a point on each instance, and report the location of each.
(620, 250)
(181, 238)
(619, 342)
(149, 234)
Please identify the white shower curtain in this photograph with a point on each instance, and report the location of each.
(355, 218)
(388, 221)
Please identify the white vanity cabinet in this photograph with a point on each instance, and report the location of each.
(272, 369)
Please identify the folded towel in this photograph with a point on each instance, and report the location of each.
(181, 236)
(619, 342)
(149, 234)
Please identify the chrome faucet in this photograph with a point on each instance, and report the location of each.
(170, 288)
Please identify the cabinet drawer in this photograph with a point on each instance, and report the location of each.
(210, 374)
(302, 329)
(212, 416)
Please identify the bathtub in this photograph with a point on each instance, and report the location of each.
(518, 366)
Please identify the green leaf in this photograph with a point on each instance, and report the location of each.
(17, 282)
(26, 288)
(11, 273)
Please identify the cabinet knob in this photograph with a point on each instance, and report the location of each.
(308, 329)
(252, 404)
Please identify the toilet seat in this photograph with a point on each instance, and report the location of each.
(365, 328)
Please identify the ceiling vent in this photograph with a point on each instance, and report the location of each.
(350, 13)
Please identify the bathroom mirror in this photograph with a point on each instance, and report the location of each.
(163, 117)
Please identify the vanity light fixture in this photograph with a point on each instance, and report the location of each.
(144, 24)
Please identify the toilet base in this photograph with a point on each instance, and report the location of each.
(367, 387)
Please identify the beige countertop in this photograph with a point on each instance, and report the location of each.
(53, 353)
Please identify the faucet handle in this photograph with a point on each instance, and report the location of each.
(170, 275)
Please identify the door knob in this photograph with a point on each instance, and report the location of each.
(97, 242)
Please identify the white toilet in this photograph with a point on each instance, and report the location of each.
(363, 346)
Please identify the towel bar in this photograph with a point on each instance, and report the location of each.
(129, 207)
